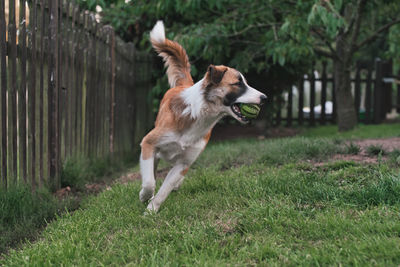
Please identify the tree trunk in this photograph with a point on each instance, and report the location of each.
(346, 112)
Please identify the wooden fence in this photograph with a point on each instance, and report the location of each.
(313, 100)
(69, 87)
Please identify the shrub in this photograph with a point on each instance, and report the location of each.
(375, 150)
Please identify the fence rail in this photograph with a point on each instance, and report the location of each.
(313, 101)
(69, 87)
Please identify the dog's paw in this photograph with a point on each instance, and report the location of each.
(152, 208)
(149, 212)
(177, 185)
(146, 194)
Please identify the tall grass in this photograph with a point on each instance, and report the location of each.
(22, 213)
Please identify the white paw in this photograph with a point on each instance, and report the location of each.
(152, 208)
(145, 194)
(178, 185)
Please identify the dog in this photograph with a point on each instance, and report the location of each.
(186, 116)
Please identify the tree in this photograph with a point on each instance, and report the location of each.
(258, 36)
(339, 30)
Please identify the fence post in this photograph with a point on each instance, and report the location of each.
(378, 91)
(32, 97)
(312, 96)
(398, 95)
(279, 112)
(12, 96)
(3, 94)
(387, 71)
(53, 91)
(333, 100)
(301, 100)
(323, 93)
(41, 92)
(112, 104)
(357, 88)
(290, 106)
(22, 54)
(368, 96)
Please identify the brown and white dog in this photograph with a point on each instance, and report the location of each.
(187, 114)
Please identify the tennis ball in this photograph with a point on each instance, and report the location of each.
(249, 110)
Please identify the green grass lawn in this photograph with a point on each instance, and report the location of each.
(244, 202)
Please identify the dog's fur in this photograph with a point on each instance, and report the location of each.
(186, 116)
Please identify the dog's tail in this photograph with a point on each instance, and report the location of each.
(174, 55)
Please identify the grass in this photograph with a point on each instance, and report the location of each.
(244, 203)
(352, 149)
(23, 214)
(361, 131)
(78, 171)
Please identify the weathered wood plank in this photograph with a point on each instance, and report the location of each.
(112, 102)
(12, 94)
(32, 96)
(3, 95)
(22, 91)
(43, 19)
(53, 90)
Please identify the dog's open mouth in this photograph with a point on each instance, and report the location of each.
(236, 110)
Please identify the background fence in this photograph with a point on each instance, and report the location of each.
(69, 87)
(312, 101)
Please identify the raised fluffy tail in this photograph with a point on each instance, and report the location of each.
(175, 57)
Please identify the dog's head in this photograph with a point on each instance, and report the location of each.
(226, 88)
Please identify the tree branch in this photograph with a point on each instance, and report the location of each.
(325, 40)
(356, 17)
(356, 31)
(373, 36)
(324, 53)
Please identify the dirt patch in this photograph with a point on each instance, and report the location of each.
(387, 144)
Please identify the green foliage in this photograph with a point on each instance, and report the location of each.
(79, 171)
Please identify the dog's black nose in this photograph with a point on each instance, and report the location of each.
(263, 99)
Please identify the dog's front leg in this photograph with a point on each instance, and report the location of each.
(174, 176)
(147, 169)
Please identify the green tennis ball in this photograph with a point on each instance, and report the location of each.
(249, 110)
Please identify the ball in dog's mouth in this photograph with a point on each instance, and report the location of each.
(245, 111)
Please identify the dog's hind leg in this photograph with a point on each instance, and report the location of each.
(174, 176)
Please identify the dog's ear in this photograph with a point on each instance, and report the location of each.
(216, 74)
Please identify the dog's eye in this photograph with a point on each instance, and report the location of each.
(239, 82)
